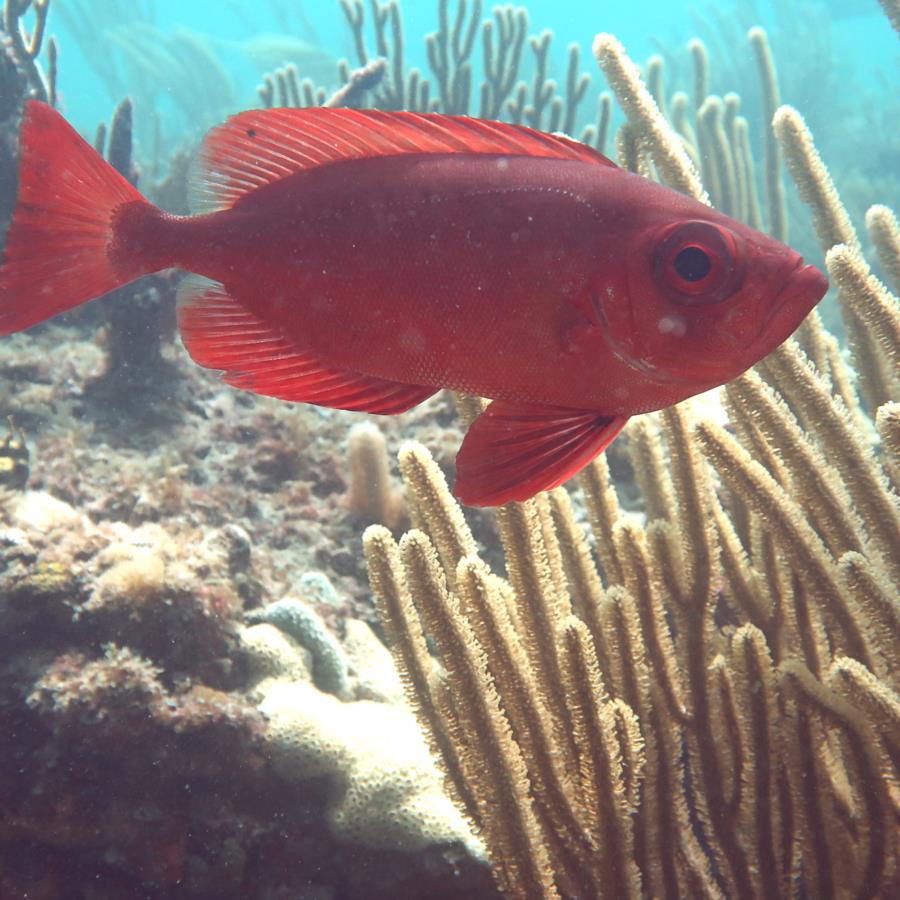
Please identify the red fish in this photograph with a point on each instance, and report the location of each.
(363, 260)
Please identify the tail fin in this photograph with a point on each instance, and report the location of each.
(57, 248)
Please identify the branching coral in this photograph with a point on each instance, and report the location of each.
(285, 87)
(383, 79)
(26, 45)
(655, 134)
(561, 735)
(711, 711)
(372, 495)
(21, 77)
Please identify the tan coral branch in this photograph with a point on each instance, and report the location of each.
(760, 491)
(813, 180)
(885, 233)
(634, 98)
(875, 307)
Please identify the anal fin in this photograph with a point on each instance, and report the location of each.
(515, 450)
(220, 333)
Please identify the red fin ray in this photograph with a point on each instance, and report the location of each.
(260, 147)
(221, 334)
(56, 254)
(514, 450)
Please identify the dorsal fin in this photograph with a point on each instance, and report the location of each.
(261, 146)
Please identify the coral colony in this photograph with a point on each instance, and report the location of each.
(676, 676)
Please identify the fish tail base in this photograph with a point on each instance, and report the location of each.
(58, 247)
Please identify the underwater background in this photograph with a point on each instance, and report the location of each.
(678, 676)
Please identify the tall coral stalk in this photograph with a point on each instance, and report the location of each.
(712, 711)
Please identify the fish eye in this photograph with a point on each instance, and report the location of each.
(698, 263)
(692, 263)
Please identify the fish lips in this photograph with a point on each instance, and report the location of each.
(802, 290)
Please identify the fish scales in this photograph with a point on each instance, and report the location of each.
(391, 266)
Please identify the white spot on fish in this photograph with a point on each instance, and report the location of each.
(412, 341)
(672, 324)
(502, 163)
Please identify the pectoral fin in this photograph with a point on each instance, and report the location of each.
(514, 450)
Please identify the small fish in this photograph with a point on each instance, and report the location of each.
(364, 260)
(14, 458)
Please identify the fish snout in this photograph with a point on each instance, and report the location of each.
(804, 287)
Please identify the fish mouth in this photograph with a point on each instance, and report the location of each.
(804, 287)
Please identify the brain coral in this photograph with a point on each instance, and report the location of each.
(388, 793)
(386, 790)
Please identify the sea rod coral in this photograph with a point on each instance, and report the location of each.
(712, 711)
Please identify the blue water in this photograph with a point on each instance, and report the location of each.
(862, 43)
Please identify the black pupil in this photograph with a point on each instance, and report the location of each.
(692, 264)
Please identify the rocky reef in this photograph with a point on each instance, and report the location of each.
(164, 743)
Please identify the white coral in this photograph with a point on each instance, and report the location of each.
(388, 792)
(272, 656)
(371, 662)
